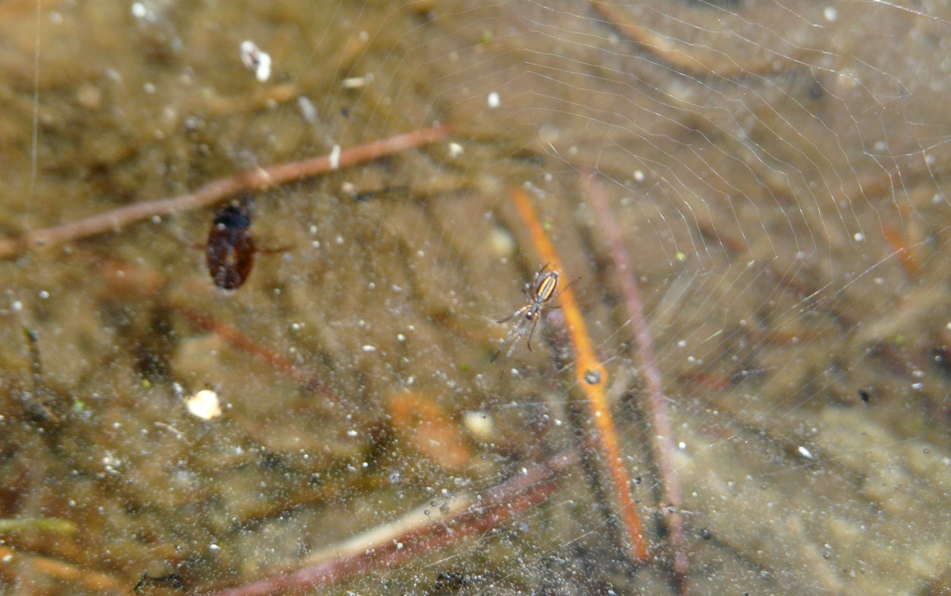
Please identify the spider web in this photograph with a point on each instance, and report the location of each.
(776, 169)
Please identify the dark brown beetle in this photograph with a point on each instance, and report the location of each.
(230, 248)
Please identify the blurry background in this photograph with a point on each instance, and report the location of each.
(777, 169)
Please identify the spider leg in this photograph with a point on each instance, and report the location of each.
(513, 315)
(531, 333)
(512, 338)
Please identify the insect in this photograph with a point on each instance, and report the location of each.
(230, 248)
(540, 293)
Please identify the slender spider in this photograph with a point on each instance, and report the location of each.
(540, 292)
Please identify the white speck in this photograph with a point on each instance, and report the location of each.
(494, 100)
(256, 61)
(18, 307)
(558, 422)
(682, 445)
(682, 343)
(295, 326)
(148, 88)
(335, 158)
(139, 11)
(369, 348)
(357, 82)
(214, 546)
(44, 294)
(339, 239)
(859, 237)
(351, 433)
(363, 36)
(204, 405)
(638, 175)
(7, 558)
(400, 337)
(917, 386)
(456, 150)
(830, 13)
(399, 546)
(307, 109)
(805, 452)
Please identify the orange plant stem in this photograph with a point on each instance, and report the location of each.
(592, 377)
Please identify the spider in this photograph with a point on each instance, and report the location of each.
(540, 292)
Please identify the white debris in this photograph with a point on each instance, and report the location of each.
(307, 109)
(480, 424)
(256, 60)
(335, 157)
(204, 405)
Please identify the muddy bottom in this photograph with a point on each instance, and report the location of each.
(777, 174)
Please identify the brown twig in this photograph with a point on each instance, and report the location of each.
(592, 378)
(131, 279)
(218, 190)
(241, 341)
(655, 403)
(908, 254)
(408, 538)
(679, 55)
